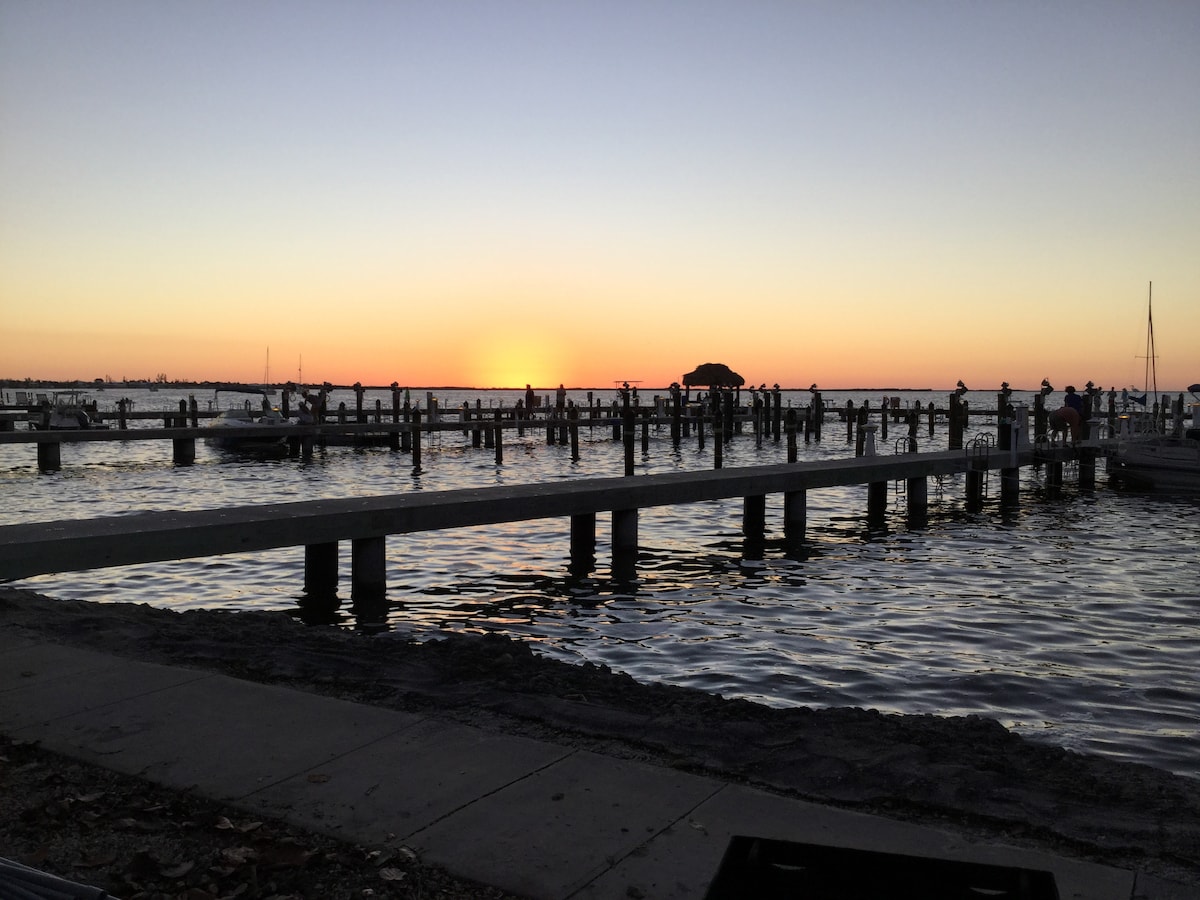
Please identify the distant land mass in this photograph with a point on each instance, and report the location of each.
(97, 384)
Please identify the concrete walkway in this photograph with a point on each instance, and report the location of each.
(534, 818)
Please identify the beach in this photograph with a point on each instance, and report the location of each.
(968, 774)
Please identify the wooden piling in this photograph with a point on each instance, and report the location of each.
(573, 429)
(877, 493)
(718, 438)
(974, 490)
(49, 456)
(183, 451)
(359, 391)
(624, 544)
(498, 427)
(627, 433)
(368, 580)
(795, 514)
(754, 517)
(916, 489)
(583, 543)
(416, 441)
(321, 570)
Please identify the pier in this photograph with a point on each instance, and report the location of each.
(319, 526)
(401, 429)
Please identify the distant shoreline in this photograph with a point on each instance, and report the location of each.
(34, 384)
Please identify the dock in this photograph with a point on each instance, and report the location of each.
(319, 526)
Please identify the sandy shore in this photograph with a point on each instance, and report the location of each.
(968, 774)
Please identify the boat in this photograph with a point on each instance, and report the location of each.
(232, 427)
(68, 410)
(1161, 462)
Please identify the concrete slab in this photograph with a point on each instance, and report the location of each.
(47, 683)
(682, 861)
(548, 835)
(223, 736)
(404, 782)
(23, 660)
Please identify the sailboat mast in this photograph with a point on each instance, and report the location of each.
(1151, 367)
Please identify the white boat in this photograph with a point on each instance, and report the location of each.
(232, 427)
(1163, 462)
(69, 410)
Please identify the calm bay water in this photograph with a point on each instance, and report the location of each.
(1073, 620)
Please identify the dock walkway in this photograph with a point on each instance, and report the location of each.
(38, 548)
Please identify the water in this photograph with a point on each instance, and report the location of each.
(1072, 620)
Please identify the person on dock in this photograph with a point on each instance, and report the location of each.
(560, 399)
(1073, 400)
(529, 400)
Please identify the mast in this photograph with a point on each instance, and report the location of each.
(1151, 368)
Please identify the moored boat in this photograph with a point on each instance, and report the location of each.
(67, 411)
(233, 427)
(1162, 462)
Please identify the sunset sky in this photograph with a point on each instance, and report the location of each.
(494, 193)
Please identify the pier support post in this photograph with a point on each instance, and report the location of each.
(583, 543)
(754, 517)
(498, 428)
(974, 490)
(368, 580)
(49, 456)
(1054, 474)
(321, 570)
(627, 434)
(416, 441)
(795, 514)
(1087, 468)
(183, 451)
(917, 491)
(624, 544)
(877, 492)
(573, 427)
(1010, 487)
(790, 428)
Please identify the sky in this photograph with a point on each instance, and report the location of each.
(489, 194)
